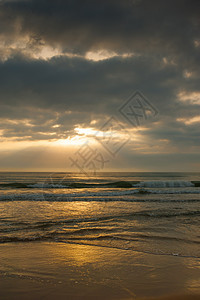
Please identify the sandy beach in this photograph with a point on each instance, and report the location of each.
(44, 270)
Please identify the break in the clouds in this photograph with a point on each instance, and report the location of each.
(68, 66)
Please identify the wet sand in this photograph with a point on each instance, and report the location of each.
(41, 270)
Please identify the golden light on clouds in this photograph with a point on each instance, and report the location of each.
(187, 74)
(189, 121)
(193, 97)
(197, 43)
(85, 131)
(105, 54)
(36, 48)
(168, 61)
(47, 52)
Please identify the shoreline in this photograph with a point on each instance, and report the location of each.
(46, 270)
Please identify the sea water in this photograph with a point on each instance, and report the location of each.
(157, 213)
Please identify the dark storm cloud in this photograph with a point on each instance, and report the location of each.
(46, 99)
(81, 85)
(72, 91)
(77, 26)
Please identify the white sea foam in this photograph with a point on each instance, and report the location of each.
(165, 184)
(46, 186)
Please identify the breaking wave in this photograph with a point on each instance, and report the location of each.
(117, 184)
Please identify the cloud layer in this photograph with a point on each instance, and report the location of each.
(69, 64)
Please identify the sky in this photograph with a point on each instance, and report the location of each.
(99, 85)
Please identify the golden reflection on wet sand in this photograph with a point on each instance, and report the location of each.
(66, 271)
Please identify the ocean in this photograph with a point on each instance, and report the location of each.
(156, 213)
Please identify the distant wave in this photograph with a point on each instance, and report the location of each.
(57, 185)
(165, 184)
(136, 195)
(117, 184)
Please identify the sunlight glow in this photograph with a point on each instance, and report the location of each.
(75, 141)
(85, 131)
